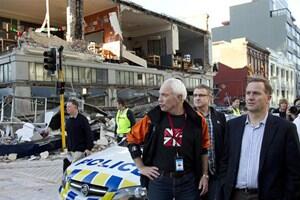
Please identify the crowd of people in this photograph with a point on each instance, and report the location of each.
(190, 152)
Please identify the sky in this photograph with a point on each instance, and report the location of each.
(218, 10)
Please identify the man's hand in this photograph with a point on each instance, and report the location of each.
(45, 132)
(150, 172)
(87, 152)
(203, 185)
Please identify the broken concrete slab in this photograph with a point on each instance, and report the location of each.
(44, 155)
(12, 156)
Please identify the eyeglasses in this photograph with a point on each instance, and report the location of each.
(200, 95)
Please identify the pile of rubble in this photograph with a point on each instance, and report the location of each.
(8, 140)
(34, 39)
(107, 139)
(41, 40)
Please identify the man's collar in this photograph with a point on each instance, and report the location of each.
(74, 116)
(261, 122)
(208, 113)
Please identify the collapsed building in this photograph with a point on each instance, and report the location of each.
(127, 51)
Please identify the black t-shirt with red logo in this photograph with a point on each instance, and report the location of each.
(169, 140)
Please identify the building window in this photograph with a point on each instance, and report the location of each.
(1, 73)
(138, 79)
(283, 93)
(102, 76)
(290, 43)
(289, 28)
(39, 69)
(282, 73)
(125, 78)
(88, 75)
(192, 82)
(159, 80)
(131, 78)
(32, 72)
(85, 75)
(68, 74)
(118, 77)
(272, 69)
(94, 75)
(149, 80)
(289, 56)
(75, 73)
(38, 73)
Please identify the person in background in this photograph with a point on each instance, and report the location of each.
(282, 109)
(235, 106)
(216, 127)
(297, 123)
(173, 163)
(297, 118)
(293, 111)
(80, 138)
(262, 152)
(124, 120)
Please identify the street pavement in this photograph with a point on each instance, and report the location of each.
(30, 180)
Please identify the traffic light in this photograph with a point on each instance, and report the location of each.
(50, 60)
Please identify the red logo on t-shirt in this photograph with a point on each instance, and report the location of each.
(173, 137)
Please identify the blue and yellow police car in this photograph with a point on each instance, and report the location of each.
(107, 175)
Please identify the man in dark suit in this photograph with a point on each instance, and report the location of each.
(216, 122)
(262, 156)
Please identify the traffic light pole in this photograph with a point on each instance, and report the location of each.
(62, 99)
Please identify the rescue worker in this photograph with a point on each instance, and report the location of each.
(175, 140)
(124, 120)
(235, 106)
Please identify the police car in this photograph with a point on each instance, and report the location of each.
(107, 175)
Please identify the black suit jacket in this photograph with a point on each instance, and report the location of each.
(279, 165)
(219, 127)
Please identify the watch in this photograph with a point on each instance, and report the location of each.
(205, 176)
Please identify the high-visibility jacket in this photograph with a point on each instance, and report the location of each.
(236, 112)
(123, 123)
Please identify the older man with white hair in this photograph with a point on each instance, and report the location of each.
(173, 163)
